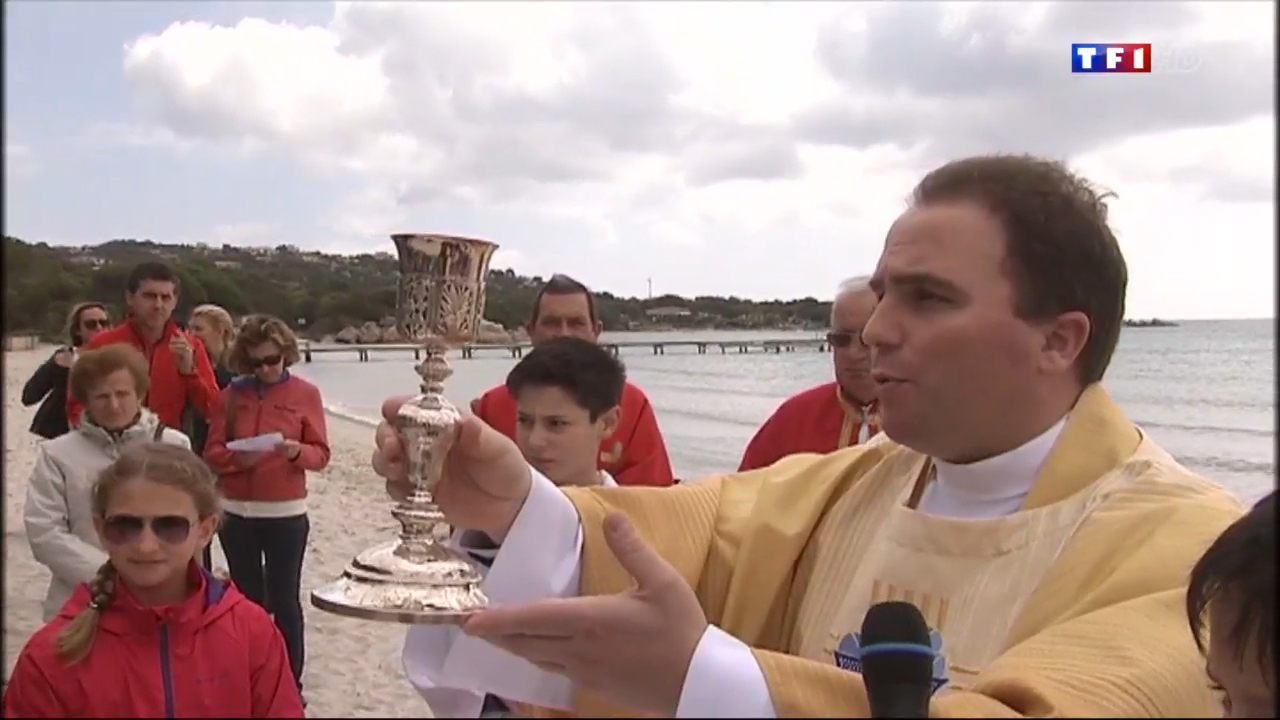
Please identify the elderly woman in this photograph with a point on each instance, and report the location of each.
(110, 382)
(48, 384)
(265, 524)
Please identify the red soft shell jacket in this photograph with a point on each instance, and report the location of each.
(634, 455)
(217, 655)
(292, 407)
(170, 390)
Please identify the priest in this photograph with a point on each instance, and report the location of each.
(1045, 538)
(832, 415)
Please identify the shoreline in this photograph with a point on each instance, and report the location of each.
(353, 667)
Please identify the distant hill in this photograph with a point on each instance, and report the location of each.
(324, 293)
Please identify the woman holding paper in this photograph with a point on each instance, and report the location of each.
(267, 431)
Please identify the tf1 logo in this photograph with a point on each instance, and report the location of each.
(1131, 58)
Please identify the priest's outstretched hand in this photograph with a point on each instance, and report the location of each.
(485, 480)
(634, 648)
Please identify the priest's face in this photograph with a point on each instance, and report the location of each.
(559, 437)
(849, 315)
(954, 366)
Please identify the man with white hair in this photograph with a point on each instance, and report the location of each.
(833, 415)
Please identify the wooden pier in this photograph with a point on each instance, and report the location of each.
(516, 350)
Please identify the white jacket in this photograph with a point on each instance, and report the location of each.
(58, 514)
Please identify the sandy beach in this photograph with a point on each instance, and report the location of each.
(353, 667)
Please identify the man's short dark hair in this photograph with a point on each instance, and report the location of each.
(563, 285)
(1240, 567)
(1061, 254)
(153, 271)
(589, 373)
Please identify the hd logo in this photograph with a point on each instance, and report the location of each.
(849, 656)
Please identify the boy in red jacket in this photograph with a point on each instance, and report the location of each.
(634, 453)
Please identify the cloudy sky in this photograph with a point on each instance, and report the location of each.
(751, 148)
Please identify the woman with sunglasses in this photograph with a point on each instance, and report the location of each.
(48, 384)
(110, 382)
(265, 525)
(152, 634)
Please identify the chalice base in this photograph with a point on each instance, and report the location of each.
(387, 583)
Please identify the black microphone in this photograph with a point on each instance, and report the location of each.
(897, 661)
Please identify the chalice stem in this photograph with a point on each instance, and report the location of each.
(421, 522)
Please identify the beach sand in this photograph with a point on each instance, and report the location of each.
(353, 667)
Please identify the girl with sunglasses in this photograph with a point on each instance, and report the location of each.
(265, 527)
(153, 634)
(110, 383)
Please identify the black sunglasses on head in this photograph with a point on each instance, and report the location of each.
(126, 529)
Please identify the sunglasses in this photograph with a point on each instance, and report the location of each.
(126, 529)
(267, 361)
(843, 340)
(95, 323)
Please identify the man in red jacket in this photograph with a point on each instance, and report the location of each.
(635, 453)
(181, 373)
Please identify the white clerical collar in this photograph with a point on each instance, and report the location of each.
(1006, 476)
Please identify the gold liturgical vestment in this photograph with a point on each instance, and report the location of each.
(1072, 607)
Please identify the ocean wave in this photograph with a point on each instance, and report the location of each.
(1211, 463)
(345, 413)
(1207, 429)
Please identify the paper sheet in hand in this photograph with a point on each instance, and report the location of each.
(257, 443)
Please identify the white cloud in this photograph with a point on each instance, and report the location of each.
(717, 131)
(19, 160)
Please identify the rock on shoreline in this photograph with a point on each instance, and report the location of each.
(372, 333)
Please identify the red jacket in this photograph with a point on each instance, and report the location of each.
(291, 407)
(170, 391)
(634, 455)
(217, 655)
(818, 420)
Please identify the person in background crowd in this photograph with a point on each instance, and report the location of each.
(635, 453)
(833, 415)
(110, 383)
(1233, 591)
(49, 382)
(213, 327)
(567, 393)
(152, 634)
(265, 525)
(180, 371)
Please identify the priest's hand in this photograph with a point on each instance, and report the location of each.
(634, 648)
(485, 480)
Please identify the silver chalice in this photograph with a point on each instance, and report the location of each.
(418, 579)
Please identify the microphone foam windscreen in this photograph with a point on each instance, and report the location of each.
(895, 645)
